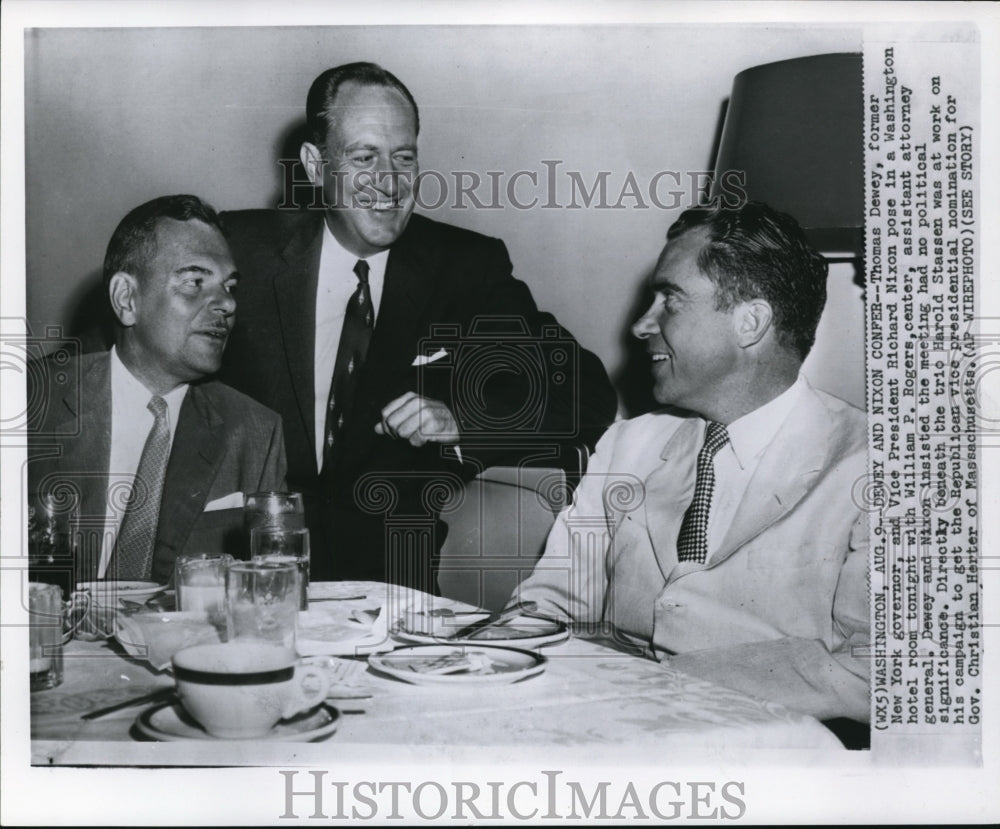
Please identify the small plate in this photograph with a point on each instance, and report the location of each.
(169, 722)
(522, 632)
(104, 592)
(459, 664)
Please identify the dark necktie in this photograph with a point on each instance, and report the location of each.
(133, 556)
(692, 542)
(355, 336)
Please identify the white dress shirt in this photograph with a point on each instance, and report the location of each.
(336, 285)
(737, 461)
(131, 422)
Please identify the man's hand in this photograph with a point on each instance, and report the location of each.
(419, 420)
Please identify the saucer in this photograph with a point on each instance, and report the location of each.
(169, 722)
(105, 592)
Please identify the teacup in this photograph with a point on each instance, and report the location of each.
(239, 690)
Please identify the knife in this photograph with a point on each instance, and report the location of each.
(153, 696)
(523, 609)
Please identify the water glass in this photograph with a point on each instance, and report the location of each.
(285, 546)
(262, 602)
(274, 509)
(200, 582)
(49, 630)
(51, 521)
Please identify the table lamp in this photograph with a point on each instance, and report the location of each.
(795, 129)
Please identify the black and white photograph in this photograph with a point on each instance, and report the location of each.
(498, 414)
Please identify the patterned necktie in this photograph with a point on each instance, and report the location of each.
(355, 336)
(692, 542)
(133, 556)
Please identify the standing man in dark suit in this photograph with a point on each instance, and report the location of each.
(400, 352)
(152, 456)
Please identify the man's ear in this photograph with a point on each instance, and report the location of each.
(312, 160)
(753, 320)
(123, 292)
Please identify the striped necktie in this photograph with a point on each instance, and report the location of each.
(133, 556)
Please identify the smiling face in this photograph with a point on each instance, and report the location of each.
(368, 167)
(178, 313)
(693, 345)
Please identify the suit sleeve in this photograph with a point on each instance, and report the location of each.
(805, 674)
(562, 381)
(569, 581)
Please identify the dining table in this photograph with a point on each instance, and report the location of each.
(589, 695)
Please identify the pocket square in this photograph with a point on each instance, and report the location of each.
(232, 501)
(424, 359)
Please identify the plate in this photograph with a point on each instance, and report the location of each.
(155, 637)
(522, 632)
(169, 722)
(339, 629)
(458, 664)
(134, 591)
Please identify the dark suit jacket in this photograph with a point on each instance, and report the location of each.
(224, 443)
(519, 385)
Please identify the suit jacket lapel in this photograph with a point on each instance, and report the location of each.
(86, 415)
(669, 489)
(410, 280)
(295, 285)
(784, 475)
(195, 456)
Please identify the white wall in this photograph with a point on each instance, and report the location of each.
(115, 117)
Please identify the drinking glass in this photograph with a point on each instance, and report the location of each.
(284, 546)
(200, 582)
(262, 602)
(50, 532)
(49, 629)
(274, 509)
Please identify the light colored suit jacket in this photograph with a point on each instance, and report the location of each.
(780, 609)
(224, 443)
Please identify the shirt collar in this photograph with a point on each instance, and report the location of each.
(343, 261)
(130, 396)
(751, 434)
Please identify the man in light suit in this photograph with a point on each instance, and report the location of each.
(722, 535)
(452, 366)
(152, 453)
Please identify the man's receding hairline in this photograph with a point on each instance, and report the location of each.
(355, 85)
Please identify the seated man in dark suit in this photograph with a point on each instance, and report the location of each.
(722, 535)
(401, 353)
(150, 455)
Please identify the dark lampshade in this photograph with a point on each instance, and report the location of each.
(795, 128)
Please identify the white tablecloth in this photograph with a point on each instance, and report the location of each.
(589, 696)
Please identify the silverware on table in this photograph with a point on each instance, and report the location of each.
(523, 609)
(153, 696)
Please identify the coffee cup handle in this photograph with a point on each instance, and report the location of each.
(70, 608)
(312, 685)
